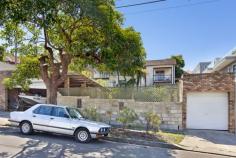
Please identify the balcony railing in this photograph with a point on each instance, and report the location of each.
(161, 78)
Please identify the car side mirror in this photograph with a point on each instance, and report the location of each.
(66, 116)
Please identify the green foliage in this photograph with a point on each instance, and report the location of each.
(179, 65)
(127, 116)
(152, 120)
(76, 32)
(92, 114)
(128, 52)
(2, 51)
(29, 68)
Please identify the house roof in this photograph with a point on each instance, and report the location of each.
(37, 84)
(225, 61)
(161, 62)
(7, 67)
(77, 80)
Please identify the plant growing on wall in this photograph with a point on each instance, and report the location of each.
(91, 113)
(152, 121)
(127, 116)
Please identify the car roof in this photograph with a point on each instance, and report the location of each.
(62, 106)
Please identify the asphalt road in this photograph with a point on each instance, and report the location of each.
(42, 145)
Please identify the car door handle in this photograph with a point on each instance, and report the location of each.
(52, 118)
(34, 116)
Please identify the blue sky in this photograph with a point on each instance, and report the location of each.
(200, 30)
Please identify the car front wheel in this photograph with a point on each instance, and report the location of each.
(26, 128)
(82, 135)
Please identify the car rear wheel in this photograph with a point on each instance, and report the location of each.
(26, 128)
(82, 135)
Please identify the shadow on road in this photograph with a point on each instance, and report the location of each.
(43, 145)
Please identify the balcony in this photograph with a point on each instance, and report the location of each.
(162, 78)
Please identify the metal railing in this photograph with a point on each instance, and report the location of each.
(162, 78)
(146, 94)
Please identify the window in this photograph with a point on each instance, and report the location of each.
(74, 113)
(234, 68)
(59, 112)
(36, 111)
(43, 110)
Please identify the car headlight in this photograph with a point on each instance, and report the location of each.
(104, 129)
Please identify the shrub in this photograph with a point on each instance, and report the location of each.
(127, 116)
(152, 121)
(91, 113)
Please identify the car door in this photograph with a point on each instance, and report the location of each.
(41, 118)
(60, 121)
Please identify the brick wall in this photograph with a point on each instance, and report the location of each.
(212, 82)
(169, 112)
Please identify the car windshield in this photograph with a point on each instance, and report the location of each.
(74, 113)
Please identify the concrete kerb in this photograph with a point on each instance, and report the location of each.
(142, 142)
(160, 145)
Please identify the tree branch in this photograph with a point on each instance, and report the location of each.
(65, 61)
(44, 69)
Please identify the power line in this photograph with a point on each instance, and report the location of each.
(137, 4)
(174, 7)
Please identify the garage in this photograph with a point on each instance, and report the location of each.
(207, 110)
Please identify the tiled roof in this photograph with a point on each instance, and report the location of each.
(161, 62)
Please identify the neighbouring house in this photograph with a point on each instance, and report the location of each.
(226, 64)
(157, 72)
(5, 71)
(160, 72)
(201, 67)
(9, 97)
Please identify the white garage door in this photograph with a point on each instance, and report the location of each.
(207, 110)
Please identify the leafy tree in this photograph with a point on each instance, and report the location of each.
(12, 35)
(129, 53)
(29, 68)
(179, 65)
(126, 116)
(75, 31)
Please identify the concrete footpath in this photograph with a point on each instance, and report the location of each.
(209, 141)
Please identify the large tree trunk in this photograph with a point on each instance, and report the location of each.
(52, 94)
(53, 75)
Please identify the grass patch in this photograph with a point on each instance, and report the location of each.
(171, 137)
(160, 136)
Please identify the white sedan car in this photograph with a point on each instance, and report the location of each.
(58, 119)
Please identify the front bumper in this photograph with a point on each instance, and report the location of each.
(97, 135)
(101, 132)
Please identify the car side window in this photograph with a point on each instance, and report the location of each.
(59, 112)
(36, 111)
(43, 110)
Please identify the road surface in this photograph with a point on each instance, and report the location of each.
(41, 145)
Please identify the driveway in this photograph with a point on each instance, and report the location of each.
(41, 145)
(220, 142)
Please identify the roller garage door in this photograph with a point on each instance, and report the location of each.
(207, 110)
